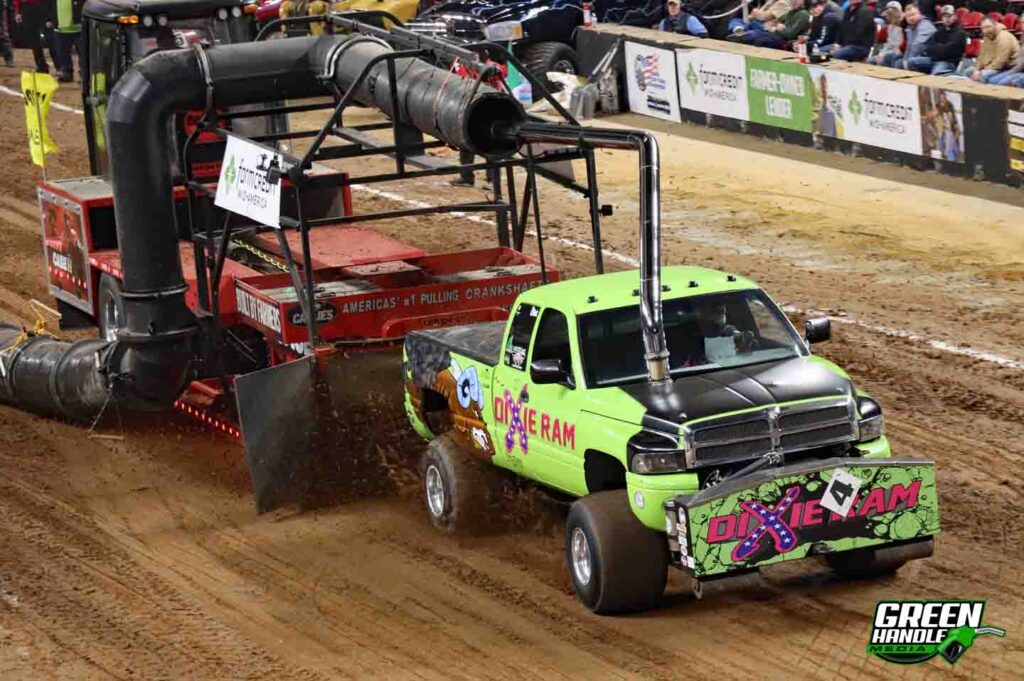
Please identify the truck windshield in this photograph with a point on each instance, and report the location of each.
(716, 331)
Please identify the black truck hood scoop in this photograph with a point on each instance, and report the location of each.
(723, 391)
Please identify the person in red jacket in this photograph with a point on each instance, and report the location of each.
(37, 17)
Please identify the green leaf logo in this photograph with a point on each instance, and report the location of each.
(230, 173)
(691, 77)
(855, 107)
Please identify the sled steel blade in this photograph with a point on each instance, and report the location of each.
(278, 414)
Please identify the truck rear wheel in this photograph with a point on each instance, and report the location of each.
(616, 564)
(111, 307)
(541, 58)
(456, 486)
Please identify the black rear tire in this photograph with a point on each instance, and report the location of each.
(628, 563)
(111, 307)
(540, 58)
(456, 486)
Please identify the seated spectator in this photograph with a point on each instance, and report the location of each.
(999, 52)
(678, 21)
(856, 33)
(777, 33)
(824, 26)
(920, 30)
(892, 49)
(1015, 75)
(943, 51)
(771, 11)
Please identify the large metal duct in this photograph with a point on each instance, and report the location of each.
(148, 366)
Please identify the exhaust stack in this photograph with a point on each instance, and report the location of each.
(646, 146)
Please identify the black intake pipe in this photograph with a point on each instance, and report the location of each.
(646, 146)
(149, 364)
(51, 377)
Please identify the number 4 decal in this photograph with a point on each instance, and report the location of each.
(841, 492)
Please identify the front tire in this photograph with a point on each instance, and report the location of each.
(541, 58)
(616, 564)
(111, 307)
(455, 486)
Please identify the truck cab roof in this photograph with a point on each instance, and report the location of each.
(619, 289)
(111, 10)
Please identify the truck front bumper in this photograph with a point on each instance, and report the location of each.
(788, 513)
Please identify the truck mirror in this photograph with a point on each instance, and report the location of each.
(546, 371)
(818, 330)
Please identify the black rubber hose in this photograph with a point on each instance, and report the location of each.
(51, 377)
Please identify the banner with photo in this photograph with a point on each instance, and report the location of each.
(651, 81)
(942, 124)
(713, 82)
(872, 111)
(780, 93)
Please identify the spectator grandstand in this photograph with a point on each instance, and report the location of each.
(924, 36)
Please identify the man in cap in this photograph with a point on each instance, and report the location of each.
(824, 26)
(943, 51)
(678, 21)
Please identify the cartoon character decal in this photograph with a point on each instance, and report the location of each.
(431, 367)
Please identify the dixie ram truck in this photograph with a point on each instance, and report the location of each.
(754, 452)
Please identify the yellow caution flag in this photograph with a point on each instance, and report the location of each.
(38, 89)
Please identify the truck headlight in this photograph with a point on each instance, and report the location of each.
(645, 463)
(872, 423)
(504, 31)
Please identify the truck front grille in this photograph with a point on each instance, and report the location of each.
(779, 429)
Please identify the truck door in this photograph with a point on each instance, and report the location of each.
(537, 413)
(511, 444)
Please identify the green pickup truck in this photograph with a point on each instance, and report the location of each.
(753, 451)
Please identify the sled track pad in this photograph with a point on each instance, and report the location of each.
(277, 411)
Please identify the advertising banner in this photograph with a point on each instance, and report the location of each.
(1015, 135)
(780, 94)
(66, 250)
(872, 111)
(942, 124)
(651, 81)
(247, 185)
(713, 82)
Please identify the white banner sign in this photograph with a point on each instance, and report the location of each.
(872, 111)
(713, 82)
(244, 187)
(651, 81)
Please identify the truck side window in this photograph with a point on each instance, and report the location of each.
(552, 341)
(519, 336)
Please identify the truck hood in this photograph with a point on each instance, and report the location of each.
(720, 392)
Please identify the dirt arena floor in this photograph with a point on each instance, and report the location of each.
(143, 557)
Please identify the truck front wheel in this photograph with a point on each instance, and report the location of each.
(542, 58)
(616, 564)
(456, 486)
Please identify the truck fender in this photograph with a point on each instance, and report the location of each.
(603, 471)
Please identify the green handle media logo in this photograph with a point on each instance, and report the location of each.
(911, 632)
